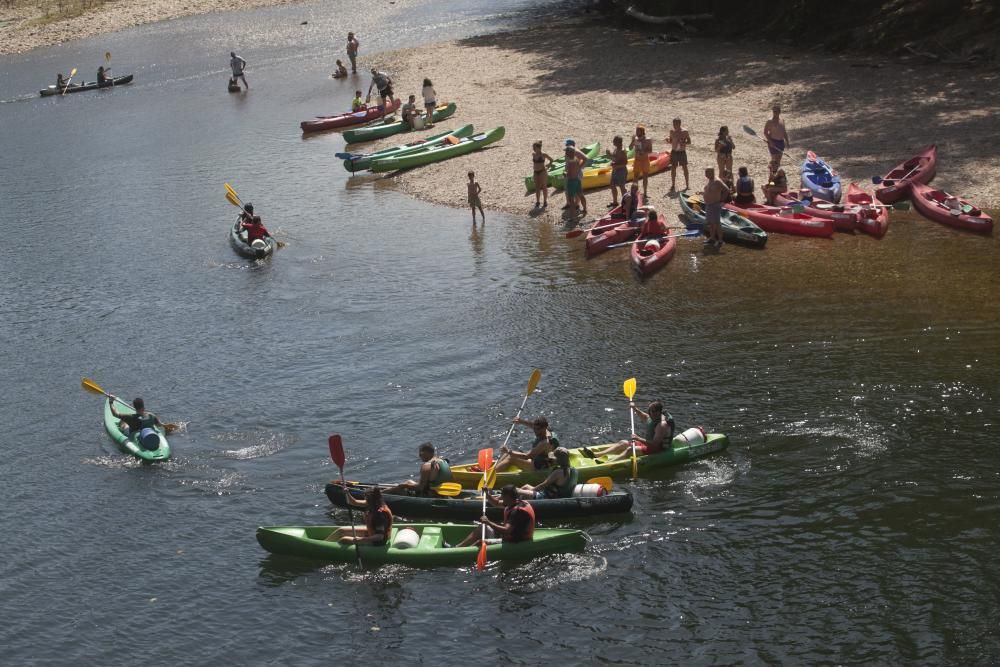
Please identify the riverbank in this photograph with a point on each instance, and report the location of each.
(590, 83)
(46, 23)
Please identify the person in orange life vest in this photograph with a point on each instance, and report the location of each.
(659, 434)
(378, 521)
(518, 521)
(653, 225)
(255, 229)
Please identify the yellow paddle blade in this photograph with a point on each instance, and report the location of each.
(606, 482)
(91, 386)
(488, 480)
(72, 73)
(107, 56)
(448, 489)
(230, 190)
(629, 388)
(233, 200)
(536, 375)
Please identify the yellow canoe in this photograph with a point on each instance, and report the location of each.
(599, 177)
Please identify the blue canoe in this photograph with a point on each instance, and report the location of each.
(821, 179)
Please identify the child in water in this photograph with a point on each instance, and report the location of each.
(341, 71)
(474, 202)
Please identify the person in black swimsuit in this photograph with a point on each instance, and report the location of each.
(540, 173)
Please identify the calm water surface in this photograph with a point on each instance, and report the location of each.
(853, 520)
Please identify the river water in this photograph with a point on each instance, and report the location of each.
(852, 520)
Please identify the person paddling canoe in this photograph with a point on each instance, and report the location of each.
(559, 483)
(518, 521)
(102, 77)
(378, 521)
(538, 457)
(434, 471)
(255, 229)
(659, 434)
(139, 422)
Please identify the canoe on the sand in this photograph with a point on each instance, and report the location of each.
(601, 235)
(360, 161)
(920, 168)
(558, 180)
(347, 119)
(414, 544)
(845, 217)
(873, 218)
(437, 153)
(821, 179)
(379, 130)
(784, 220)
(736, 228)
(949, 210)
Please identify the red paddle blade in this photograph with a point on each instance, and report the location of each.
(573, 233)
(485, 459)
(481, 558)
(337, 451)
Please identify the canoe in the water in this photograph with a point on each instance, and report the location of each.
(378, 130)
(949, 210)
(346, 119)
(422, 547)
(130, 442)
(736, 228)
(238, 239)
(79, 88)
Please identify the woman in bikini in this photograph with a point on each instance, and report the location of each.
(540, 173)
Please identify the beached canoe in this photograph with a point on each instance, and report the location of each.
(414, 544)
(354, 162)
(918, 169)
(599, 239)
(872, 220)
(681, 451)
(347, 119)
(379, 130)
(149, 450)
(600, 176)
(79, 88)
(948, 209)
(650, 253)
(238, 239)
(784, 220)
(821, 179)
(468, 505)
(845, 217)
(437, 153)
(558, 167)
(736, 228)
(558, 180)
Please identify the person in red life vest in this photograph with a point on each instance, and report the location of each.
(518, 521)
(653, 225)
(255, 229)
(378, 521)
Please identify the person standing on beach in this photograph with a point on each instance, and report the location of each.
(352, 51)
(640, 164)
(777, 138)
(724, 146)
(715, 193)
(474, 201)
(381, 82)
(679, 140)
(430, 101)
(238, 65)
(540, 174)
(575, 162)
(619, 170)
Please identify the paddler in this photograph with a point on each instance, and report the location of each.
(378, 521)
(60, 81)
(434, 471)
(518, 521)
(102, 78)
(559, 483)
(138, 422)
(255, 229)
(659, 434)
(538, 457)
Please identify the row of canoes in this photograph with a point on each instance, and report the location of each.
(436, 148)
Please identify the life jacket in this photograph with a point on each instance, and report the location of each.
(508, 513)
(255, 231)
(665, 418)
(370, 523)
(565, 490)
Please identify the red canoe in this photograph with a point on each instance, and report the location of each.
(918, 169)
(650, 253)
(346, 119)
(949, 210)
(845, 218)
(598, 241)
(784, 220)
(872, 220)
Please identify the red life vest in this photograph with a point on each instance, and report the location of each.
(524, 535)
(255, 231)
(370, 522)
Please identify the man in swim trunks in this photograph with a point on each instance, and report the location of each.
(434, 471)
(679, 139)
(238, 65)
(575, 162)
(537, 458)
(352, 51)
(619, 171)
(640, 165)
(382, 82)
(715, 193)
(777, 138)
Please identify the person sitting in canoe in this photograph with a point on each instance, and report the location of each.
(631, 210)
(60, 81)
(538, 458)
(102, 78)
(358, 104)
(518, 521)
(434, 471)
(652, 226)
(378, 521)
(775, 186)
(139, 422)
(341, 71)
(744, 188)
(658, 436)
(560, 482)
(255, 230)
(409, 111)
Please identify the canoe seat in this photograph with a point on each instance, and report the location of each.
(430, 538)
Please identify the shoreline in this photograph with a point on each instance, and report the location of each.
(23, 28)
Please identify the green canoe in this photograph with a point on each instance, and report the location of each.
(361, 161)
(588, 466)
(127, 442)
(558, 166)
(429, 550)
(438, 153)
(559, 180)
(379, 130)
(735, 228)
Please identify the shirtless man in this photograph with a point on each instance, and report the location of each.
(679, 140)
(640, 165)
(715, 193)
(777, 138)
(575, 162)
(352, 51)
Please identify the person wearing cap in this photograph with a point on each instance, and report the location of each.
(246, 215)
(560, 482)
(576, 160)
(137, 422)
(383, 83)
(434, 471)
(657, 437)
(238, 65)
(538, 457)
(518, 521)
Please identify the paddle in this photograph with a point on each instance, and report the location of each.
(95, 388)
(606, 482)
(486, 463)
(573, 233)
(629, 388)
(446, 489)
(693, 232)
(536, 375)
(488, 480)
(72, 73)
(337, 456)
(234, 199)
(899, 206)
(107, 70)
(749, 130)
(893, 181)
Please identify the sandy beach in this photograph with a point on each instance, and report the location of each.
(589, 83)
